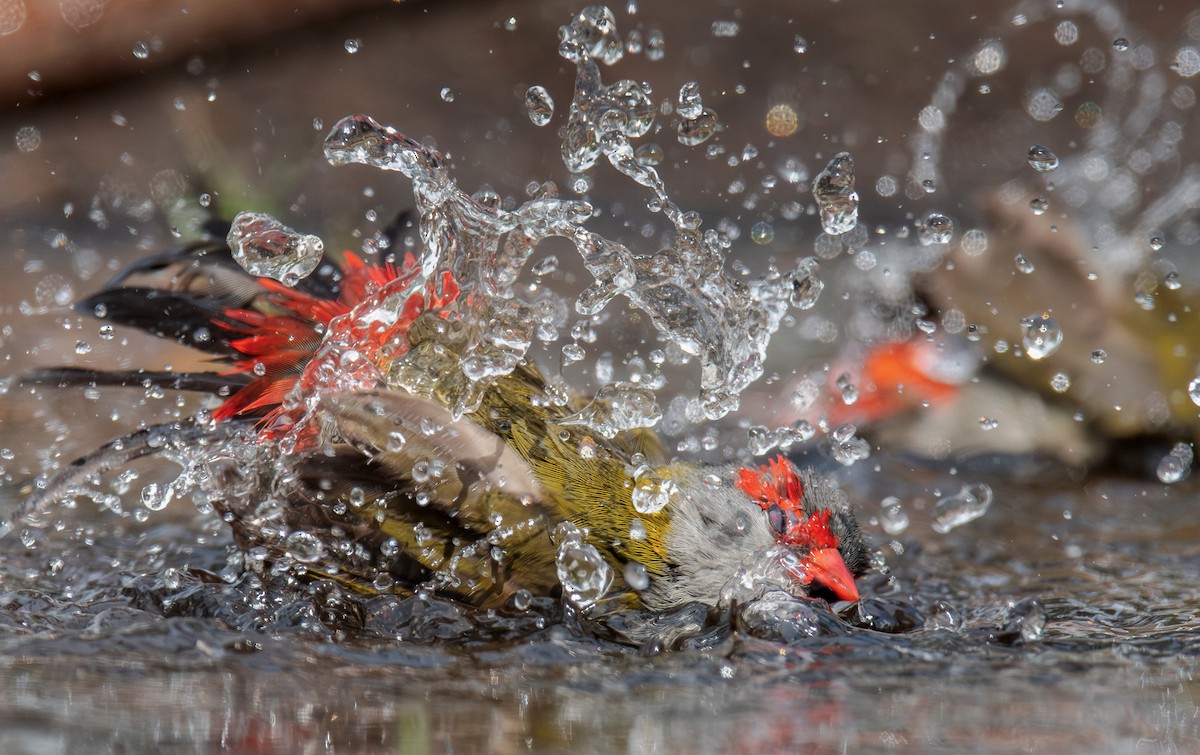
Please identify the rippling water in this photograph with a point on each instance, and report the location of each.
(135, 643)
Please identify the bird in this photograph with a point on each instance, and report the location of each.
(364, 471)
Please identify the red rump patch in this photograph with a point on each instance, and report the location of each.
(775, 485)
(283, 334)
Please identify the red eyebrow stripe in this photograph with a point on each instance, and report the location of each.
(776, 484)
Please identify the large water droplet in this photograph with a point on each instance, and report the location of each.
(892, 517)
(156, 497)
(1194, 390)
(539, 105)
(636, 576)
(689, 105)
(583, 573)
(693, 131)
(651, 492)
(305, 547)
(593, 32)
(1041, 335)
(936, 228)
(1027, 619)
(967, 505)
(269, 249)
(833, 188)
(1175, 465)
(1042, 159)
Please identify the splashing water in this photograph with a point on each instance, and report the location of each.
(684, 289)
(266, 248)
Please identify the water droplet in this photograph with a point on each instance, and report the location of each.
(539, 105)
(967, 505)
(988, 423)
(205, 199)
(1194, 391)
(1023, 264)
(155, 497)
(1175, 465)
(1156, 242)
(1028, 619)
(783, 120)
(990, 58)
(722, 28)
(649, 154)
(760, 440)
(1066, 33)
(762, 233)
(636, 576)
(594, 33)
(1120, 44)
(573, 352)
(28, 138)
(1060, 382)
(833, 189)
(305, 547)
(846, 448)
(522, 599)
(805, 395)
(1042, 335)
(583, 573)
(1172, 282)
(1039, 205)
(689, 105)
(446, 94)
(1099, 356)
(892, 516)
(396, 441)
(141, 50)
(267, 248)
(1042, 159)
(800, 44)
(352, 45)
(637, 530)
(936, 228)
(694, 131)
(656, 45)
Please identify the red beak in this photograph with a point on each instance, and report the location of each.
(827, 568)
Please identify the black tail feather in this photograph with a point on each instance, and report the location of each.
(189, 319)
(73, 377)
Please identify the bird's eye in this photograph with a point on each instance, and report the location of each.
(778, 519)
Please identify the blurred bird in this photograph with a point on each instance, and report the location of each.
(385, 489)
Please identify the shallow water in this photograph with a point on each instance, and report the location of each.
(1063, 620)
(145, 656)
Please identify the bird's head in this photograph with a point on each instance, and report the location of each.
(806, 518)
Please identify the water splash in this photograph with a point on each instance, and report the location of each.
(684, 289)
(267, 248)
